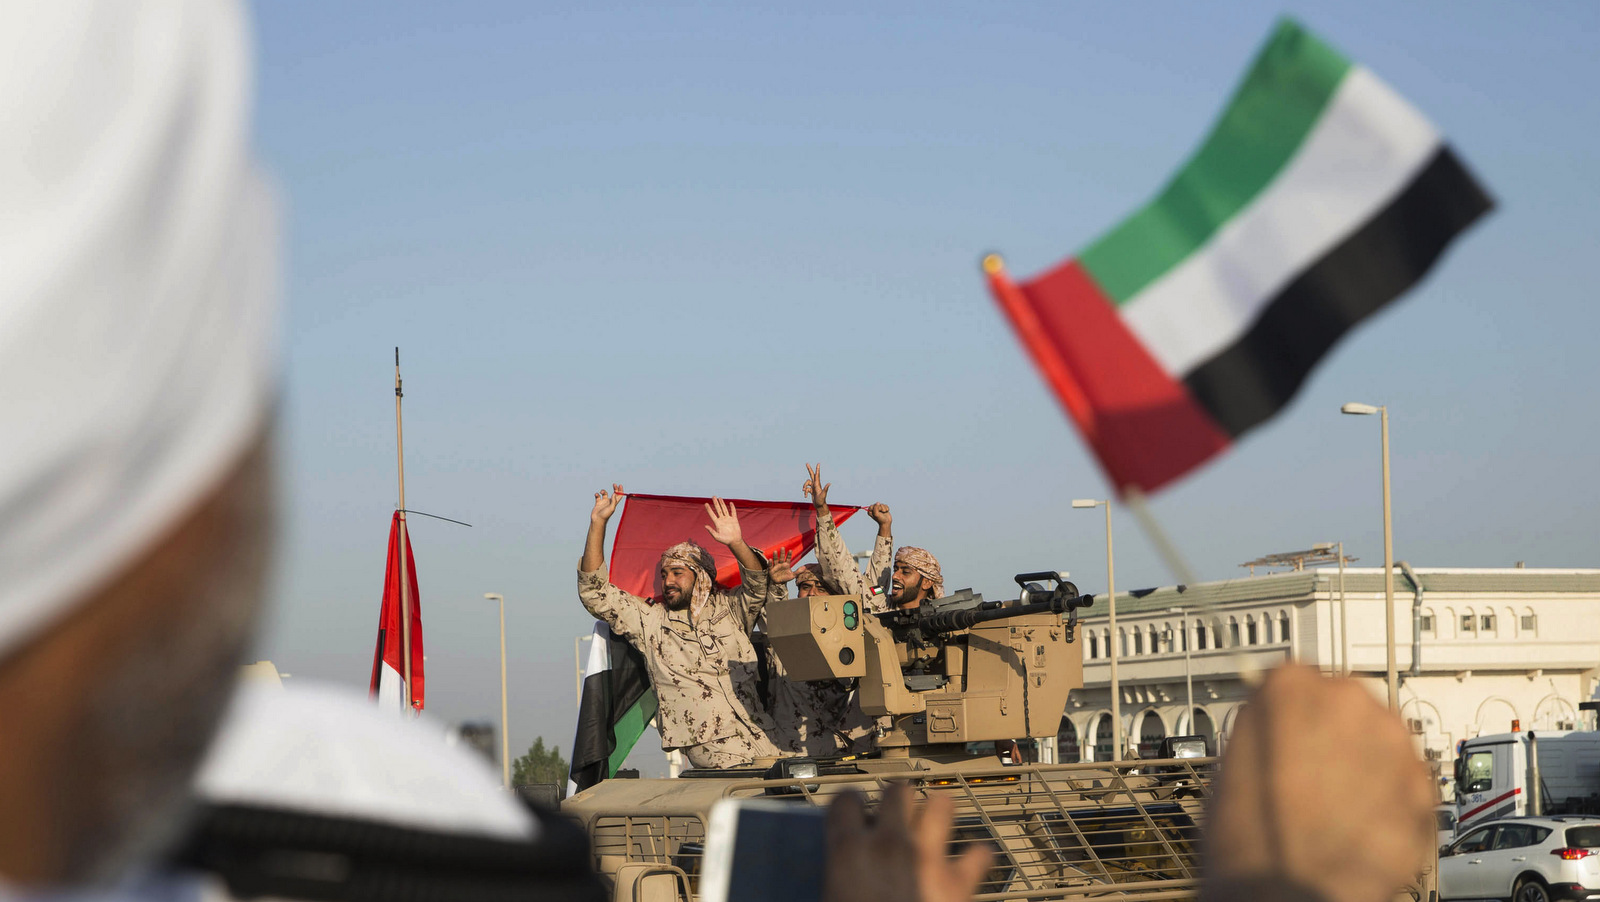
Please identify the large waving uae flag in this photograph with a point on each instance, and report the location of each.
(617, 701)
(388, 667)
(1319, 196)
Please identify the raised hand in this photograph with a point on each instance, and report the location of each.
(880, 513)
(724, 522)
(605, 503)
(901, 856)
(782, 562)
(814, 489)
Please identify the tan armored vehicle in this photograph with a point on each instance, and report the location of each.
(964, 686)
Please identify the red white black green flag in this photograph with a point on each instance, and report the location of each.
(1319, 196)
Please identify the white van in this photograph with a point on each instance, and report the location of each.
(1492, 775)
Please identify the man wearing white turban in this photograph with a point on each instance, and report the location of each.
(137, 333)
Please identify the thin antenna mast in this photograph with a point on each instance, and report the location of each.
(405, 542)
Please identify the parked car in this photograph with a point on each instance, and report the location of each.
(1525, 859)
(1445, 816)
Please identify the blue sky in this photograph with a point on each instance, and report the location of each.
(690, 247)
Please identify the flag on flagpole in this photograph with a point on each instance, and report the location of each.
(1319, 196)
(651, 524)
(615, 705)
(388, 671)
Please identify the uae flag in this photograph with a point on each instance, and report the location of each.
(388, 672)
(1319, 196)
(615, 706)
(617, 702)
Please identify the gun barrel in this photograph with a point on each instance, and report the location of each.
(950, 621)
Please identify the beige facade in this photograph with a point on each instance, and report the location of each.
(1496, 647)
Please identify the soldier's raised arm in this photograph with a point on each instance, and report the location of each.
(622, 611)
(882, 547)
(838, 567)
(751, 596)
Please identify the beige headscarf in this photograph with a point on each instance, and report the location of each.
(925, 564)
(690, 555)
(816, 570)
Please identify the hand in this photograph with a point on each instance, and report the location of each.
(880, 513)
(724, 522)
(605, 503)
(900, 857)
(779, 571)
(1321, 790)
(814, 489)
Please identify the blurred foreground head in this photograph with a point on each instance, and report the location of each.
(137, 318)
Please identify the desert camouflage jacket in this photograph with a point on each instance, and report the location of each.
(840, 568)
(704, 669)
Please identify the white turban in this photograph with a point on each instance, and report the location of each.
(137, 286)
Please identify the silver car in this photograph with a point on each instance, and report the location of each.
(1525, 859)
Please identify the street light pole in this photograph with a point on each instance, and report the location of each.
(505, 728)
(1117, 751)
(1188, 674)
(1388, 550)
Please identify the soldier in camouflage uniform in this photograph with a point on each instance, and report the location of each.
(837, 566)
(915, 577)
(822, 718)
(695, 639)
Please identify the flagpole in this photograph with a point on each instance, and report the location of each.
(405, 586)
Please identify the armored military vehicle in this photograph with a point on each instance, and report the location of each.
(961, 688)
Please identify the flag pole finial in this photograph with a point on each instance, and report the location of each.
(993, 264)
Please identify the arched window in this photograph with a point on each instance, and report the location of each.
(1138, 641)
(1122, 642)
(1251, 636)
(1469, 623)
(1200, 635)
(1283, 626)
(1155, 639)
(1233, 632)
(1529, 623)
(1094, 646)
(1067, 742)
(1430, 625)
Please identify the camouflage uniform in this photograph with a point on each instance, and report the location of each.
(703, 667)
(819, 719)
(840, 569)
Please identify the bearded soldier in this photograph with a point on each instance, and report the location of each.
(695, 638)
(915, 576)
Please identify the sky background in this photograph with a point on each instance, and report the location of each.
(690, 247)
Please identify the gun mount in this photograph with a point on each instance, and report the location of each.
(955, 670)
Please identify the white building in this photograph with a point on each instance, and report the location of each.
(1496, 649)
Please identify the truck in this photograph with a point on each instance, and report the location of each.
(1548, 772)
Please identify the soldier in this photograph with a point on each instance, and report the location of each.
(819, 718)
(916, 576)
(695, 639)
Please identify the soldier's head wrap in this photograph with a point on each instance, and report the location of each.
(924, 563)
(688, 554)
(137, 295)
(816, 570)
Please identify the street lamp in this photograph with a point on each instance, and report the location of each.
(1188, 675)
(1115, 643)
(1388, 547)
(505, 730)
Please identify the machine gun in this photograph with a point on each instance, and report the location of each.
(954, 670)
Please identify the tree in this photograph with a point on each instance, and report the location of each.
(541, 765)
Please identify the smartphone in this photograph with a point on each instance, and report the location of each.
(762, 849)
